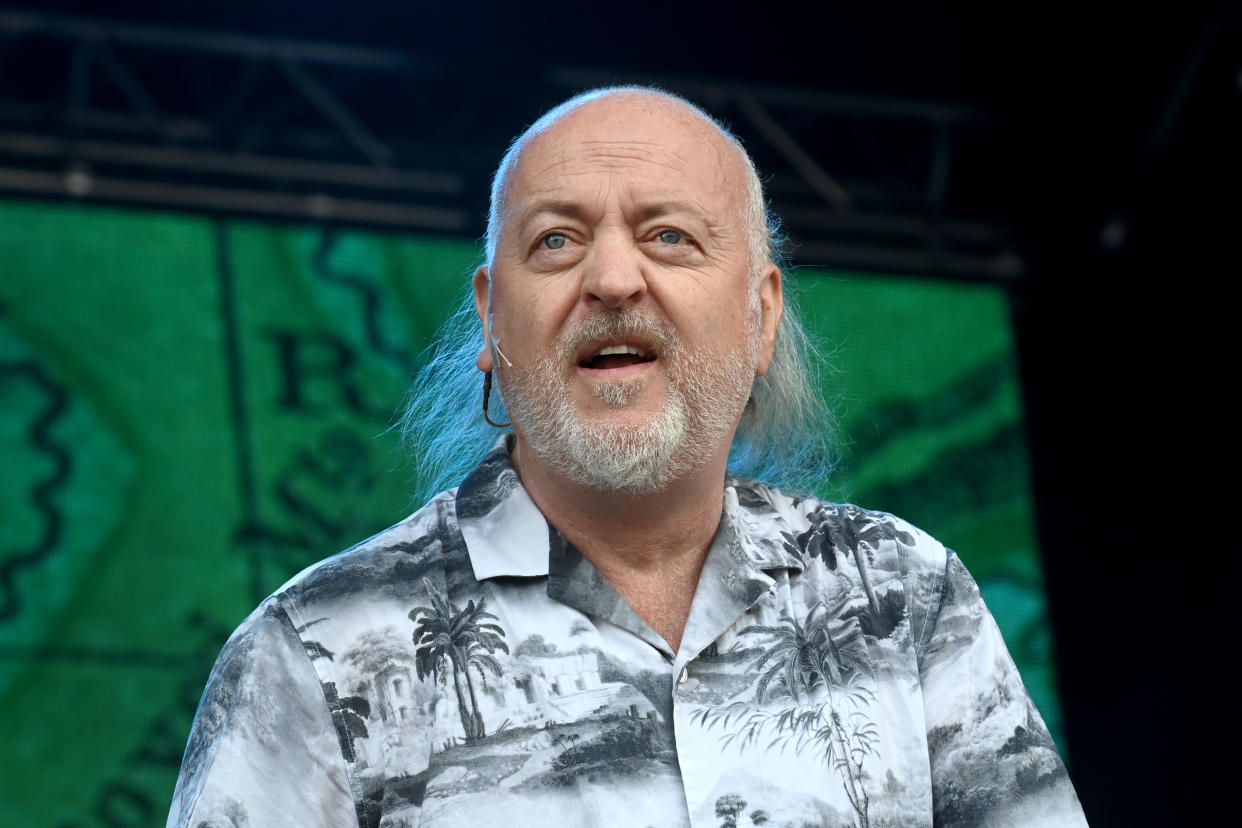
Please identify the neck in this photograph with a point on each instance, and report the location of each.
(650, 546)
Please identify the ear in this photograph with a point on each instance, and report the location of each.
(771, 306)
(482, 303)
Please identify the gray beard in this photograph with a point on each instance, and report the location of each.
(705, 397)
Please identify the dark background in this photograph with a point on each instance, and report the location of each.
(1111, 151)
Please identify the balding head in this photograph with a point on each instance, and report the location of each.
(740, 170)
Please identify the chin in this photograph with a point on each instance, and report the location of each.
(618, 394)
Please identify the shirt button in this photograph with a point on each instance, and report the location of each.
(685, 674)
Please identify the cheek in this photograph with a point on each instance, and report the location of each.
(744, 315)
(739, 332)
(529, 323)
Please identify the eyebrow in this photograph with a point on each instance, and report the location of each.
(568, 209)
(665, 208)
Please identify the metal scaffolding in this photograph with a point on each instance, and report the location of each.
(151, 116)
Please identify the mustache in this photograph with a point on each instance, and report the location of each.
(627, 322)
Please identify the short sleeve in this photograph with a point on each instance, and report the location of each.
(992, 759)
(263, 749)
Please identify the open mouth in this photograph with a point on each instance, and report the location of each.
(616, 356)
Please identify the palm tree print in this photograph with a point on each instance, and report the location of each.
(795, 659)
(803, 655)
(856, 533)
(453, 640)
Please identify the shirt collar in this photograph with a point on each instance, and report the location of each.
(507, 535)
(751, 543)
(505, 532)
(762, 536)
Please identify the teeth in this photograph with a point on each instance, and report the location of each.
(613, 350)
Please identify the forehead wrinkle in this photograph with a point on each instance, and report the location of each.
(552, 198)
(614, 151)
(540, 184)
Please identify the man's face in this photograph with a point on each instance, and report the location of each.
(623, 297)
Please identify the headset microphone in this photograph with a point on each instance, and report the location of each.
(496, 344)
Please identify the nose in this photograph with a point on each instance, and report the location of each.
(614, 275)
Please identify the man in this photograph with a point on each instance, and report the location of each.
(600, 626)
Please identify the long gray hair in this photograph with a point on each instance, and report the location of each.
(785, 436)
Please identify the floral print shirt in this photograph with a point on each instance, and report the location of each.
(469, 667)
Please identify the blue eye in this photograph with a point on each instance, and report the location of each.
(669, 236)
(554, 241)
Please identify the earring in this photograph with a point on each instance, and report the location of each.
(487, 393)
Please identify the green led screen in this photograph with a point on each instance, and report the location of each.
(194, 409)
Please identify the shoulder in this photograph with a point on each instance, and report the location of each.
(892, 562)
(817, 528)
(364, 594)
(386, 564)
